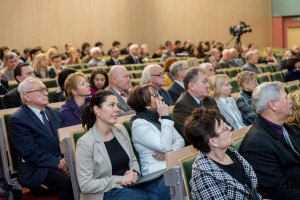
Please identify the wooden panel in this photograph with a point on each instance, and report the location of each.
(293, 36)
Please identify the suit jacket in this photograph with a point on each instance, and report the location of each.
(122, 104)
(227, 114)
(93, 166)
(251, 67)
(223, 64)
(111, 62)
(12, 99)
(129, 60)
(175, 91)
(184, 107)
(166, 97)
(49, 74)
(37, 148)
(4, 86)
(276, 165)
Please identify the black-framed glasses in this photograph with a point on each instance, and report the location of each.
(159, 75)
(41, 90)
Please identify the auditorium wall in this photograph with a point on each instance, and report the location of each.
(54, 22)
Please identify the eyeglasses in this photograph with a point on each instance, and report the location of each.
(160, 74)
(41, 90)
(226, 129)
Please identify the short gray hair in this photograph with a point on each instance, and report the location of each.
(26, 85)
(203, 66)
(94, 50)
(146, 73)
(176, 66)
(264, 93)
(133, 46)
(191, 75)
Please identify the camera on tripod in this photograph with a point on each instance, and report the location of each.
(240, 29)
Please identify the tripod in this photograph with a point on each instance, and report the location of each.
(238, 43)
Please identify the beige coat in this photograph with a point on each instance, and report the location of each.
(93, 166)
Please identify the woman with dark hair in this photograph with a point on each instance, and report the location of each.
(98, 80)
(78, 91)
(105, 163)
(219, 172)
(60, 94)
(153, 132)
(293, 67)
(85, 50)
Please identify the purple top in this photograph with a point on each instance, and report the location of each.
(71, 112)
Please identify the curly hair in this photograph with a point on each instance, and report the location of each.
(295, 118)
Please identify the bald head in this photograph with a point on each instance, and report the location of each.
(226, 55)
(119, 78)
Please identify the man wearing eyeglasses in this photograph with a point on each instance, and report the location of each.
(153, 73)
(114, 54)
(33, 133)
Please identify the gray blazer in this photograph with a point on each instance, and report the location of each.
(93, 165)
(224, 110)
(8, 74)
(251, 67)
(122, 104)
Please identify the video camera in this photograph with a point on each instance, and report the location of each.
(240, 29)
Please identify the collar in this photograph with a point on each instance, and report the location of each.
(180, 83)
(276, 127)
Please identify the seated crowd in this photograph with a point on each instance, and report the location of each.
(267, 165)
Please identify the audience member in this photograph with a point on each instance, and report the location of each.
(168, 52)
(251, 61)
(3, 86)
(219, 172)
(153, 73)
(98, 81)
(281, 66)
(78, 91)
(3, 50)
(40, 67)
(177, 46)
(296, 51)
(16, 51)
(270, 56)
(235, 61)
(144, 53)
(114, 57)
(115, 44)
(126, 49)
(73, 57)
(196, 95)
(271, 146)
(212, 60)
(133, 57)
(57, 64)
(251, 47)
(33, 134)
(220, 90)
(51, 52)
(85, 50)
(168, 75)
(96, 58)
(225, 60)
(153, 132)
(10, 60)
(67, 49)
(216, 53)
(119, 84)
(247, 82)
(159, 51)
(33, 53)
(293, 67)
(100, 45)
(26, 55)
(294, 120)
(208, 68)
(192, 62)
(105, 162)
(60, 94)
(177, 70)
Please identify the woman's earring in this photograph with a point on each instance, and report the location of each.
(147, 107)
(98, 114)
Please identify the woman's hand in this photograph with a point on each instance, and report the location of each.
(129, 178)
(159, 156)
(162, 108)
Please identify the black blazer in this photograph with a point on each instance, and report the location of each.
(12, 99)
(4, 86)
(129, 60)
(175, 91)
(49, 74)
(276, 165)
(184, 107)
(111, 62)
(37, 148)
(166, 97)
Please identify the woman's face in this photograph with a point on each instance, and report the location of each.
(224, 135)
(74, 54)
(250, 85)
(44, 63)
(226, 89)
(109, 110)
(154, 98)
(99, 81)
(83, 87)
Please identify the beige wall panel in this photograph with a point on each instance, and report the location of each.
(54, 22)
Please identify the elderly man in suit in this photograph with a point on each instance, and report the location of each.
(133, 57)
(33, 133)
(271, 146)
(225, 60)
(196, 95)
(119, 84)
(251, 60)
(114, 54)
(22, 71)
(177, 70)
(153, 73)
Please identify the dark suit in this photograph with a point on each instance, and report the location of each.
(12, 99)
(175, 91)
(223, 64)
(37, 148)
(4, 86)
(184, 107)
(130, 60)
(276, 165)
(166, 97)
(251, 67)
(111, 62)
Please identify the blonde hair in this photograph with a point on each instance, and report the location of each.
(295, 118)
(74, 60)
(71, 83)
(37, 61)
(215, 84)
(245, 77)
(51, 52)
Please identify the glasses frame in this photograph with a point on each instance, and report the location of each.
(41, 90)
(158, 75)
(226, 129)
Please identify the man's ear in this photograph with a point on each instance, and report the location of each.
(18, 79)
(272, 105)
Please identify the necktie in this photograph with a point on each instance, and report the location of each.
(118, 62)
(201, 104)
(122, 94)
(136, 60)
(46, 122)
(288, 140)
